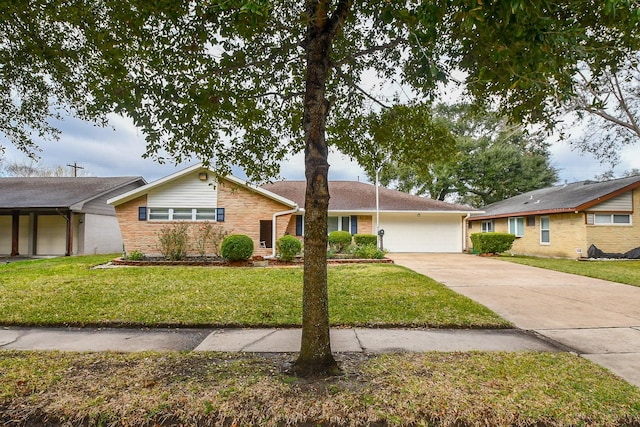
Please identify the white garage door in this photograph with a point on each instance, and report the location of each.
(424, 233)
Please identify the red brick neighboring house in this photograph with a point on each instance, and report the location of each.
(196, 195)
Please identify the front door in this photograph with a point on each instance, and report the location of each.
(266, 234)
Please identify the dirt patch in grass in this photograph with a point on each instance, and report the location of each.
(211, 389)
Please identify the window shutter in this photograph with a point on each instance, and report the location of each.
(220, 215)
(142, 213)
(590, 218)
(299, 219)
(354, 225)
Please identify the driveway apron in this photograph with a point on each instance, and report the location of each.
(597, 319)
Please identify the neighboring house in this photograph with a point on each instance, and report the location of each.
(196, 195)
(60, 216)
(563, 221)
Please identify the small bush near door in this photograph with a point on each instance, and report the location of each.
(288, 247)
(492, 243)
(339, 241)
(237, 247)
(365, 239)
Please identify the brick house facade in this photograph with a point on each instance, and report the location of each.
(565, 221)
(234, 207)
(197, 198)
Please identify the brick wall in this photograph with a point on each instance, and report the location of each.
(618, 237)
(243, 211)
(570, 236)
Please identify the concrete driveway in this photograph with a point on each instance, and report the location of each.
(598, 319)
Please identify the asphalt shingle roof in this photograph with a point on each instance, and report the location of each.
(360, 196)
(562, 198)
(55, 192)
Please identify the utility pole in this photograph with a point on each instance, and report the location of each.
(75, 168)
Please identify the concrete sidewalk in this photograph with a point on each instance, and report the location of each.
(597, 319)
(267, 340)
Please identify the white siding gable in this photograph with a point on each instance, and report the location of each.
(185, 192)
(622, 203)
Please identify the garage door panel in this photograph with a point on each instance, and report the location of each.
(425, 233)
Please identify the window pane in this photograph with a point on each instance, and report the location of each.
(182, 214)
(332, 223)
(603, 219)
(544, 223)
(206, 214)
(520, 227)
(544, 236)
(345, 224)
(159, 213)
(622, 219)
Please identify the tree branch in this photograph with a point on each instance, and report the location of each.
(351, 83)
(392, 44)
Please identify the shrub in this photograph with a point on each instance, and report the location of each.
(174, 241)
(339, 241)
(287, 247)
(202, 236)
(237, 247)
(209, 236)
(368, 252)
(135, 255)
(365, 239)
(492, 243)
(218, 234)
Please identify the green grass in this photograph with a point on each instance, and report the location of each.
(627, 271)
(450, 389)
(66, 291)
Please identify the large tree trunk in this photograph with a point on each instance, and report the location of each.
(315, 351)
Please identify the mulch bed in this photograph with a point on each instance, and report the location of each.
(258, 262)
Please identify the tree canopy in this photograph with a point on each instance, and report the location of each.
(247, 82)
(489, 161)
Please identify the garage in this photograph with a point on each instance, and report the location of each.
(422, 232)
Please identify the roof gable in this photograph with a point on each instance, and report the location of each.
(360, 196)
(573, 197)
(175, 177)
(58, 192)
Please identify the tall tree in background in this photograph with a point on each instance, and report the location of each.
(608, 102)
(248, 82)
(491, 160)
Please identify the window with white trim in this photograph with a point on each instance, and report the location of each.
(516, 226)
(185, 214)
(545, 230)
(487, 226)
(608, 219)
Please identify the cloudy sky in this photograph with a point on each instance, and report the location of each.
(109, 152)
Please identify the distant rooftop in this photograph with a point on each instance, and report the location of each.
(56, 192)
(572, 197)
(360, 196)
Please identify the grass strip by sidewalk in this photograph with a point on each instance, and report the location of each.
(621, 271)
(65, 291)
(448, 389)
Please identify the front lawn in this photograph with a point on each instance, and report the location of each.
(66, 291)
(621, 271)
(444, 389)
